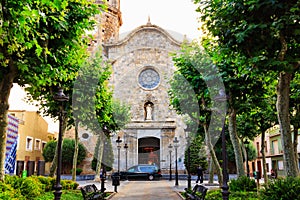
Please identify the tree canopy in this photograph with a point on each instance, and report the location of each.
(197, 154)
(258, 35)
(42, 43)
(68, 149)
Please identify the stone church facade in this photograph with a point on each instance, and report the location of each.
(142, 67)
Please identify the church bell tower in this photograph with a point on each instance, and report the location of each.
(110, 21)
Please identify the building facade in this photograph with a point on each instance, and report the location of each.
(273, 152)
(32, 137)
(142, 68)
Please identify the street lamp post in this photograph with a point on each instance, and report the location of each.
(188, 160)
(106, 131)
(225, 193)
(60, 97)
(118, 141)
(103, 179)
(170, 151)
(176, 169)
(126, 148)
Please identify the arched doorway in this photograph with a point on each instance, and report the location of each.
(149, 150)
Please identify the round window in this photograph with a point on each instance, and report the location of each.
(85, 136)
(149, 79)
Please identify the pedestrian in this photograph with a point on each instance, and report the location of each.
(101, 173)
(199, 174)
(273, 174)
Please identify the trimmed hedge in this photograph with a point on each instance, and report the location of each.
(216, 194)
(16, 188)
(282, 188)
(242, 183)
(7, 192)
(31, 187)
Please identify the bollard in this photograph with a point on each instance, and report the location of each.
(115, 182)
(103, 184)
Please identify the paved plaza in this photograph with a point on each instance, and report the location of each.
(145, 190)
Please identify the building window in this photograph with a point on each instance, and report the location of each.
(29, 143)
(149, 79)
(37, 144)
(275, 147)
(43, 145)
(85, 136)
(280, 165)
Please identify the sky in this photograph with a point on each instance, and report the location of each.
(175, 15)
(17, 102)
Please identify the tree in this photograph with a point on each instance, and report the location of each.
(68, 149)
(40, 43)
(120, 117)
(91, 97)
(194, 85)
(265, 36)
(258, 116)
(252, 152)
(240, 85)
(264, 117)
(197, 155)
(242, 89)
(295, 111)
(93, 105)
(108, 156)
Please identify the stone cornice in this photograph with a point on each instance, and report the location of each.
(151, 124)
(146, 27)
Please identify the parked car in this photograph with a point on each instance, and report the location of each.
(142, 171)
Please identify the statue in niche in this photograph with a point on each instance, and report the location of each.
(152, 158)
(148, 112)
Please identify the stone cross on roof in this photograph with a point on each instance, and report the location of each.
(148, 23)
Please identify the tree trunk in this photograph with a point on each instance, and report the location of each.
(5, 87)
(262, 151)
(75, 153)
(245, 156)
(296, 128)
(214, 159)
(236, 144)
(54, 162)
(99, 156)
(282, 105)
(3, 126)
(211, 170)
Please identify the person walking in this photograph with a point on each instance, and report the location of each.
(199, 174)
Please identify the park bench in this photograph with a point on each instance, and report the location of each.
(90, 192)
(197, 193)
